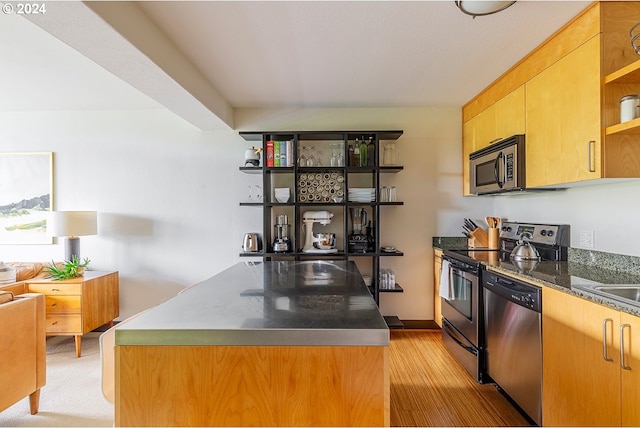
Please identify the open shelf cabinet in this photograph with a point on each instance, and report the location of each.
(328, 183)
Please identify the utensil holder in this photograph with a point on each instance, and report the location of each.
(494, 234)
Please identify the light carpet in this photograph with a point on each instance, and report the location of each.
(72, 396)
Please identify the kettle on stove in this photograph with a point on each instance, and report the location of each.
(524, 251)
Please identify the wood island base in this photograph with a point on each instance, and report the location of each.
(252, 385)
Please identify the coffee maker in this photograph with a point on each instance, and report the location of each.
(282, 228)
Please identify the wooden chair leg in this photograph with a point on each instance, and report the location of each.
(34, 401)
(78, 345)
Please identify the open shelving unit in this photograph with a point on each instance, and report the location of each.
(617, 84)
(368, 176)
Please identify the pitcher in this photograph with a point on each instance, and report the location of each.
(390, 156)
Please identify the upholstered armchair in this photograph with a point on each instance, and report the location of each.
(24, 348)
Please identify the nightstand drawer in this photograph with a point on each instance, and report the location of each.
(58, 323)
(56, 289)
(65, 304)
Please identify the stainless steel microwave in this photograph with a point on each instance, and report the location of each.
(498, 168)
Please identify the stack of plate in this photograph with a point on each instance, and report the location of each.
(362, 194)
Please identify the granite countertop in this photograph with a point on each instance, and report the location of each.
(583, 270)
(324, 303)
(575, 278)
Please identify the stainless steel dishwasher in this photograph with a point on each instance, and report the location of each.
(513, 340)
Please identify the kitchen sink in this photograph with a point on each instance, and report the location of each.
(629, 294)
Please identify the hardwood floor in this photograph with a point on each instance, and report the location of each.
(438, 391)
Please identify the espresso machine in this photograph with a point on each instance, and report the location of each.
(282, 228)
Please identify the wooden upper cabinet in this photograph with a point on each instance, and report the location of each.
(572, 85)
(499, 121)
(563, 140)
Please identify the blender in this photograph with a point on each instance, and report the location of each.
(282, 243)
(358, 242)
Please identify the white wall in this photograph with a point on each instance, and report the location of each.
(167, 194)
(609, 210)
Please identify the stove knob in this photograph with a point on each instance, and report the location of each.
(506, 228)
(543, 232)
(550, 233)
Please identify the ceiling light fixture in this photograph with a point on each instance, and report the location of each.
(481, 8)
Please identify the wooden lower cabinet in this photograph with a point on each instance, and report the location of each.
(630, 378)
(252, 386)
(583, 381)
(437, 303)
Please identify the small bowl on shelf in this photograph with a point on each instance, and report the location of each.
(337, 200)
(282, 194)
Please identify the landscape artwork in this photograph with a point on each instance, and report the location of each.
(26, 192)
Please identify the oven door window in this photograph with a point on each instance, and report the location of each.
(460, 296)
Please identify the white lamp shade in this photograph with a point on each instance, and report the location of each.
(72, 223)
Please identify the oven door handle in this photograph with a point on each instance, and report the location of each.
(455, 268)
(452, 335)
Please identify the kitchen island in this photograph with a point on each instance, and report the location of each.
(271, 344)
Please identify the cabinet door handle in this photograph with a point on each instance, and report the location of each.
(591, 156)
(604, 339)
(55, 289)
(622, 363)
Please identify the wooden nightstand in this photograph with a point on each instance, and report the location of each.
(79, 305)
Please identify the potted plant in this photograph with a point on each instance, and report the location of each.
(69, 269)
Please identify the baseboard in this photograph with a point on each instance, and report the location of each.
(420, 324)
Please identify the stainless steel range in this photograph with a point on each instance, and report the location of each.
(481, 310)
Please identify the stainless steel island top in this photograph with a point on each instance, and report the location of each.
(303, 303)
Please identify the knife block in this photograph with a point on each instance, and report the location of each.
(479, 238)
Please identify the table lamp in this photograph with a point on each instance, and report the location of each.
(72, 225)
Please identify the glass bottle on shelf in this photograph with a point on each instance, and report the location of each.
(356, 153)
(363, 153)
(371, 159)
(351, 155)
(341, 154)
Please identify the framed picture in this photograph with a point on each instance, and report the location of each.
(26, 195)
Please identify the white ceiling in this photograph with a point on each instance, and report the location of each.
(203, 59)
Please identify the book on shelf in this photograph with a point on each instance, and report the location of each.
(276, 153)
(290, 153)
(283, 153)
(269, 155)
(279, 154)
